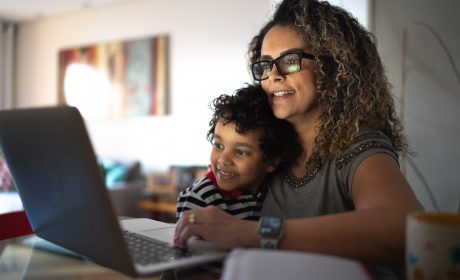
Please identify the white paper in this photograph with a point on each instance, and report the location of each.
(257, 264)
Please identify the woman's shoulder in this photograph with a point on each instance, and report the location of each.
(366, 142)
(366, 135)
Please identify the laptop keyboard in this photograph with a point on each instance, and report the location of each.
(146, 251)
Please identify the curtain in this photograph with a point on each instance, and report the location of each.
(7, 47)
(7, 34)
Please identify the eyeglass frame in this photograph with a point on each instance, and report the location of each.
(300, 54)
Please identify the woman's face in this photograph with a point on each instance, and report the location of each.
(292, 97)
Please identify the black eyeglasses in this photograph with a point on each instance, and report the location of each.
(286, 64)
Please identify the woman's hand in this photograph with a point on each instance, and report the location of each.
(215, 225)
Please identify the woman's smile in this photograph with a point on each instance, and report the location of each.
(282, 93)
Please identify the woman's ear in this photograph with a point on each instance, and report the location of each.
(272, 165)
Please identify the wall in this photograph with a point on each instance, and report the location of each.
(420, 46)
(208, 41)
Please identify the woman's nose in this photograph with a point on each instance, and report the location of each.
(274, 74)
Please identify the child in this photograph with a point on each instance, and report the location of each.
(248, 144)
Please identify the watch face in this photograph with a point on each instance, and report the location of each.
(270, 226)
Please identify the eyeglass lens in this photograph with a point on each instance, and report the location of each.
(286, 64)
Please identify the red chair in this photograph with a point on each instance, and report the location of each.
(14, 224)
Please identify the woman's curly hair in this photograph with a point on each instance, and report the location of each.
(352, 87)
(249, 110)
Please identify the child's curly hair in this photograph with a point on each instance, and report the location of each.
(352, 88)
(249, 110)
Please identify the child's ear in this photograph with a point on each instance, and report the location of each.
(272, 165)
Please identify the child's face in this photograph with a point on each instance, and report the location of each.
(237, 159)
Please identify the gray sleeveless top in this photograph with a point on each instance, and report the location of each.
(329, 190)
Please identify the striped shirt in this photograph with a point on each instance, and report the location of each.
(204, 192)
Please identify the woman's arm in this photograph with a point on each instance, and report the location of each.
(373, 233)
(215, 225)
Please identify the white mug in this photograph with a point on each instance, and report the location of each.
(433, 246)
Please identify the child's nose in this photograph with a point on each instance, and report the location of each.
(224, 159)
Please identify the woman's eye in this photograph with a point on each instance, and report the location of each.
(266, 66)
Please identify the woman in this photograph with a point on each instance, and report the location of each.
(346, 195)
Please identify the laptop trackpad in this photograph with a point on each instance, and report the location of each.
(163, 234)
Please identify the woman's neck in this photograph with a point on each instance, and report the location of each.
(307, 128)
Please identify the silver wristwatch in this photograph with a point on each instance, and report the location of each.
(270, 232)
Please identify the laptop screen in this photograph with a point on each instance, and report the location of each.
(55, 171)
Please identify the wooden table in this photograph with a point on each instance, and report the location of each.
(22, 261)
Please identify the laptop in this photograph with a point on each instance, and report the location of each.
(54, 168)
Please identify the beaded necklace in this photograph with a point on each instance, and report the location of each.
(302, 181)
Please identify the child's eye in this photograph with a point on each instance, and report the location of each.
(242, 153)
(218, 145)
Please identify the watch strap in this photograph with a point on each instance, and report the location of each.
(266, 243)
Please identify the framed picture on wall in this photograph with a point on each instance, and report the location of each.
(117, 79)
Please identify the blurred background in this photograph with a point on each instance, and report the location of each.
(206, 56)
